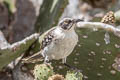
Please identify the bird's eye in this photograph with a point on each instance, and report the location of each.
(69, 21)
(65, 22)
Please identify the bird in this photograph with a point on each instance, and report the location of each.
(58, 42)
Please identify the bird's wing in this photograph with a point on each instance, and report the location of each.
(45, 39)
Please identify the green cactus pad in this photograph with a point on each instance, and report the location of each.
(94, 57)
(43, 72)
(72, 75)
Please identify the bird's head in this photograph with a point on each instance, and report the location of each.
(68, 23)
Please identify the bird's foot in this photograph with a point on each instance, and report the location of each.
(46, 61)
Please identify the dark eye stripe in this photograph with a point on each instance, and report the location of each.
(69, 21)
(66, 24)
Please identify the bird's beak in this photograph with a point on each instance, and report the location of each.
(77, 20)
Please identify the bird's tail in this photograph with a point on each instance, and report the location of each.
(37, 57)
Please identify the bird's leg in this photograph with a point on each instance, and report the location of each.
(64, 60)
(43, 54)
(46, 60)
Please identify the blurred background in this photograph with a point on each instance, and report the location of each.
(17, 18)
(21, 18)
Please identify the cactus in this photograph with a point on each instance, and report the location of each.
(50, 12)
(43, 72)
(96, 53)
(72, 75)
(94, 57)
(11, 52)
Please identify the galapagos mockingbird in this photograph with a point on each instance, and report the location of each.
(59, 42)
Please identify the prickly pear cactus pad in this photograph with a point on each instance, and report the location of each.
(95, 54)
(72, 75)
(43, 72)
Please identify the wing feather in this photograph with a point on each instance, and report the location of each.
(47, 38)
